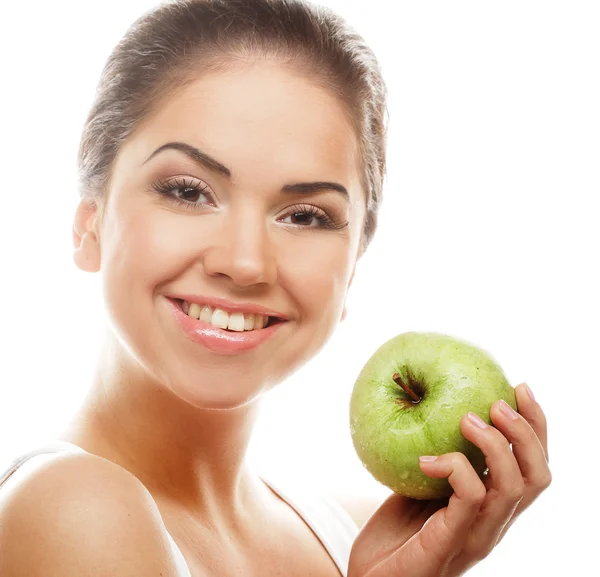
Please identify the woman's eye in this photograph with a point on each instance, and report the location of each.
(303, 218)
(184, 192)
(309, 216)
(188, 193)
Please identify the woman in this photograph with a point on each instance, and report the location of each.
(231, 172)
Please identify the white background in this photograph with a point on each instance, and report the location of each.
(489, 232)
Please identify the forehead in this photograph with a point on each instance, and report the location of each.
(261, 116)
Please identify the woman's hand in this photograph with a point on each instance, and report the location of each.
(411, 538)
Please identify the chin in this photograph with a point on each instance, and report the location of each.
(205, 392)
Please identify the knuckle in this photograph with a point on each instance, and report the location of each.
(485, 552)
(459, 460)
(516, 491)
(478, 494)
(481, 552)
(497, 441)
(546, 481)
(501, 442)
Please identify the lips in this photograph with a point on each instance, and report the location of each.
(218, 340)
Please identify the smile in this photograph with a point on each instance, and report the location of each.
(223, 332)
(234, 321)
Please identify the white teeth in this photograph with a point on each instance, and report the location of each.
(236, 322)
(194, 310)
(206, 314)
(219, 318)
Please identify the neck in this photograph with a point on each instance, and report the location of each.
(187, 457)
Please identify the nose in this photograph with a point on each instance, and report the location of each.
(242, 249)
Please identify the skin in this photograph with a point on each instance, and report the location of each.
(176, 415)
(180, 417)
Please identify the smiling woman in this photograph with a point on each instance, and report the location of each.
(230, 174)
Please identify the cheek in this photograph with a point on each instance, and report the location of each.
(139, 251)
(318, 276)
(146, 246)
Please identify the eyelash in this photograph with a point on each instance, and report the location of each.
(167, 188)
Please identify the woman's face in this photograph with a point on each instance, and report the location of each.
(176, 227)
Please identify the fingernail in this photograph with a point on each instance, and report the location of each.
(529, 392)
(477, 420)
(507, 410)
(427, 459)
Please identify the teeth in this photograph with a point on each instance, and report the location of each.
(249, 322)
(206, 314)
(236, 322)
(194, 310)
(219, 318)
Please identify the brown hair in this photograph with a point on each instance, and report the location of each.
(170, 45)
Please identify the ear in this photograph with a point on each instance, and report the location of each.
(85, 239)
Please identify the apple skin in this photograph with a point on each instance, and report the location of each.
(390, 431)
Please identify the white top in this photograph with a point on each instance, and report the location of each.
(328, 520)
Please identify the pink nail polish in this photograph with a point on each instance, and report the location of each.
(529, 392)
(427, 459)
(476, 420)
(508, 411)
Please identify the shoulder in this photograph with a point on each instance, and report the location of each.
(79, 514)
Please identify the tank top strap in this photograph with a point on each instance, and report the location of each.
(52, 447)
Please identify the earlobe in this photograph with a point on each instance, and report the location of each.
(87, 254)
(85, 240)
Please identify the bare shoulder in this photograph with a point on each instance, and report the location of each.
(359, 507)
(79, 514)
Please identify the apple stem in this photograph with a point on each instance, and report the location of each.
(397, 377)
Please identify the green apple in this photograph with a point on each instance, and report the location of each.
(408, 401)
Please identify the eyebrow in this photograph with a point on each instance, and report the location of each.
(210, 163)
